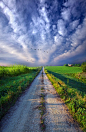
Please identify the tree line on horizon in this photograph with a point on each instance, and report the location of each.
(83, 66)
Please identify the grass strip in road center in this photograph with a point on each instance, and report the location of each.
(42, 106)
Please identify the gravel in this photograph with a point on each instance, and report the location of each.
(24, 116)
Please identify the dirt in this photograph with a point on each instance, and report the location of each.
(24, 116)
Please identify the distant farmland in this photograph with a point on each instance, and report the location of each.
(64, 69)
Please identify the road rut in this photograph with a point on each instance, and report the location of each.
(24, 116)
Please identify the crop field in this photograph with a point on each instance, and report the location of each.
(70, 84)
(14, 80)
(64, 69)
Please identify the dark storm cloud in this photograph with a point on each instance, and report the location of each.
(42, 31)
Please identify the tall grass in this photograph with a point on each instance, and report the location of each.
(15, 70)
(13, 84)
(72, 91)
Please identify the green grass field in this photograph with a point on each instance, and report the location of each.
(13, 81)
(70, 84)
(64, 69)
(75, 72)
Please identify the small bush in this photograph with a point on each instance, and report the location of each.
(65, 64)
(77, 65)
(83, 66)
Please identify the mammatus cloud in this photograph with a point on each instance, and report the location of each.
(42, 32)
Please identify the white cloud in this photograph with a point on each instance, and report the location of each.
(14, 52)
(10, 3)
(73, 24)
(54, 27)
(71, 53)
(77, 7)
(9, 14)
(43, 14)
(45, 54)
(15, 21)
(61, 27)
(80, 34)
(4, 64)
(58, 39)
(66, 14)
(42, 1)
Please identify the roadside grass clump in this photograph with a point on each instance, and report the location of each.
(12, 87)
(73, 92)
(42, 111)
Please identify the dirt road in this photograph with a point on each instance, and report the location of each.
(24, 116)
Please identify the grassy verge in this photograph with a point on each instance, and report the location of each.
(12, 87)
(73, 92)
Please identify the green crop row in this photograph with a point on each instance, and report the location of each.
(11, 88)
(73, 93)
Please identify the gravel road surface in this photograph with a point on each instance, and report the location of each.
(24, 116)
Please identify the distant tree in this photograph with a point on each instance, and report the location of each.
(65, 64)
(84, 63)
(77, 65)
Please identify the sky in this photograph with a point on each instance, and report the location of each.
(42, 32)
